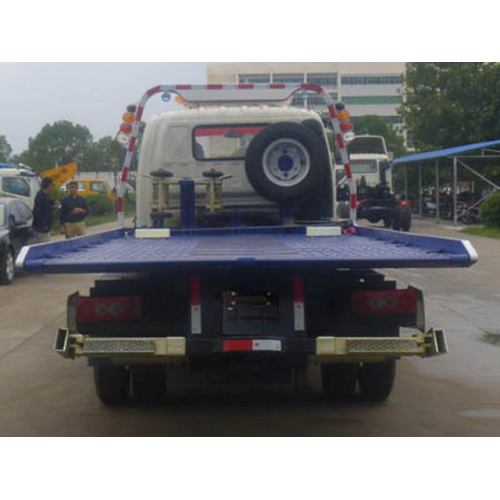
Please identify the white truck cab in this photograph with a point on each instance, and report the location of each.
(191, 142)
(370, 161)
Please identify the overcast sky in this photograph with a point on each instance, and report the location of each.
(90, 94)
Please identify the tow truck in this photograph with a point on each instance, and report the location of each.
(235, 271)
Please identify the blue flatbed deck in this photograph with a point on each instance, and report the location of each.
(120, 251)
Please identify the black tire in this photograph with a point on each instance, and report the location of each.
(321, 206)
(405, 219)
(7, 267)
(339, 380)
(112, 384)
(343, 210)
(315, 126)
(269, 186)
(376, 380)
(149, 384)
(396, 221)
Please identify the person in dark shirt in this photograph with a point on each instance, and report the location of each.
(73, 212)
(42, 212)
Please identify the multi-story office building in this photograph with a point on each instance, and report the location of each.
(370, 88)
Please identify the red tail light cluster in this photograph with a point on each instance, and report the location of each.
(94, 309)
(384, 302)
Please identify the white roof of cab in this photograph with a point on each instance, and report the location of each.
(240, 114)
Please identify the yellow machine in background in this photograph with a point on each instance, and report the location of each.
(90, 187)
(61, 175)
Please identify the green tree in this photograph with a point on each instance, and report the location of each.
(101, 155)
(5, 149)
(374, 125)
(57, 144)
(448, 104)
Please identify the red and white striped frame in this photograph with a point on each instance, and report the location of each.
(275, 92)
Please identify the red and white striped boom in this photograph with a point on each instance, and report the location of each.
(245, 92)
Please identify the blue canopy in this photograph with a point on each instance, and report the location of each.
(444, 153)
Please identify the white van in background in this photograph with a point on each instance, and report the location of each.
(19, 182)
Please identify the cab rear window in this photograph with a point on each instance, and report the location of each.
(226, 142)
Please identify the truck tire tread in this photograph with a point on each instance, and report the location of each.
(112, 384)
(376, 380)
(149, 384)
(339, 380)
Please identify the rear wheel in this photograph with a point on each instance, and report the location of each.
(112, 384)
(339, 380)
(396, 221)
(149, 383)
(405, 218)
(7, 267)
(376, 380)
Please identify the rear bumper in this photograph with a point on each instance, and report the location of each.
(328, 349)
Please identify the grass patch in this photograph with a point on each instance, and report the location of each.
(488, 232)
(492, 338)
(94, 220)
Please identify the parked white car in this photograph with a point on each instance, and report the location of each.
(21, 183)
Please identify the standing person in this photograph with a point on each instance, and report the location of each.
(73, 212)
(42, 212)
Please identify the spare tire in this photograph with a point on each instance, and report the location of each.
(286, 162)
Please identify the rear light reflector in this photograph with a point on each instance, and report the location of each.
(95, 309)
(298, 303)
(384, 303)
(249, 345)
(195, 291)
(237, 345)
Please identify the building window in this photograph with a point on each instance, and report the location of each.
(298, 101)
(393, 120)
(382, 99)
(255, 78)
(311, 100)
(288, 78)
(372, 80)
(326, 79)
(410, 141)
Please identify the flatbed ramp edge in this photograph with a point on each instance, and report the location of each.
(290, 246)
